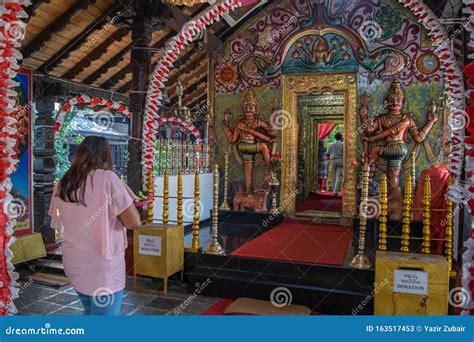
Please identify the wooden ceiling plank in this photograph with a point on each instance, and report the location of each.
(31, 10)
(121, 74)
(213, 43)
(96, 53)
(74, 44)
(55, 26)
(198, 100)
(192, 87)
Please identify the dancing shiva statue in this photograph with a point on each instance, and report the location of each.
(253, 137)
(385, 137)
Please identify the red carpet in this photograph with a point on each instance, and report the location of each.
(218, 307)
(321, 201)
(299, 241)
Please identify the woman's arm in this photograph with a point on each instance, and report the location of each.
(130, 217)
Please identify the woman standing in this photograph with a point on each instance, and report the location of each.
(90, 207)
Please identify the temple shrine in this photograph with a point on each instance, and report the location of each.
(287, 157)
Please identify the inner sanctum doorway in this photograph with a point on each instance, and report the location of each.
(320, 154)
(310, 101)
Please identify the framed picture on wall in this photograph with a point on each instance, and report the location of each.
(22, 178)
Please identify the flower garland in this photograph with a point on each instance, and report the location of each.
(186, 124)
(188, 33)
(11, 33)
(454, 86)
(87, 100)
(64, 132)
(468, 256)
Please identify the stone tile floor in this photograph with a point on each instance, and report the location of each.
(38, 299)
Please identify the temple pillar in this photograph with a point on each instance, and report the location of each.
(142, 29)
(44, 165)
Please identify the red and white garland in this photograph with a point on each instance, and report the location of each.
(188, 33)
(186, 124)
(92, 101)
(454, 86)
(468, 256)
(12, 30)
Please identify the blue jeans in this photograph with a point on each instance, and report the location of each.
(105, 305)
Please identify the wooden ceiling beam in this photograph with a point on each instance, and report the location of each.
(96, 53)
(190, 65)
(117, 77)
(54, 27)
(195, 67)
(197, 93)
(189, 80)
(212, 44)
(182, 60)
(198, 101)
(191, 88)
(118, 57)
(31, 10)
(105, 19)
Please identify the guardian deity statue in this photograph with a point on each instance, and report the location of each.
(386, 136)
(253, 137)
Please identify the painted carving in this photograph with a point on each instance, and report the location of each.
(253, 137)
(391, 128)
(381, 41)
(257, 202)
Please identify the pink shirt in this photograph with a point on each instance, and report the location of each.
(94, 239)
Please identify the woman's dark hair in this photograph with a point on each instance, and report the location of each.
(92, 154)
(338, 136)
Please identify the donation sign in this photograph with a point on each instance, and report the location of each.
(410, 281)
(149, 245)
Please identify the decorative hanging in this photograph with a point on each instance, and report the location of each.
(107, 105)
(454, 86)
(466, 295)
(188, 33)
(186, 124)
(12, 30)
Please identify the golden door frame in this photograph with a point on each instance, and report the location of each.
(306, 84)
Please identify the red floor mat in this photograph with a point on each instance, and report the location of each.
(321, 201)
(299, 241)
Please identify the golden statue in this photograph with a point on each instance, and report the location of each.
(391, 128)
(253, 137)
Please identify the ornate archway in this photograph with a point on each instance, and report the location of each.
(92, 102)
(186, 124)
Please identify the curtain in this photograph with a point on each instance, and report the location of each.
(439, 175)
(325, 129)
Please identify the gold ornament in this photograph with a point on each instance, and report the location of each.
(426, 217)
(383, 214)
(405, 244)
(449, 231)
(361, 260)
(215, 247)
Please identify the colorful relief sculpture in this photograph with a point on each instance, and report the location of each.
(385, 137)
(253, 137)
